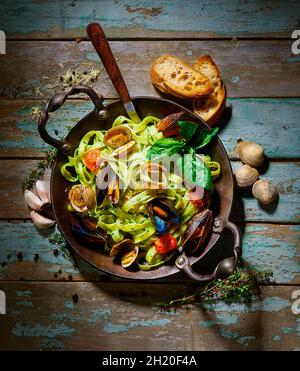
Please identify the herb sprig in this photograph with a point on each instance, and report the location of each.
(239, 286)
(40, 169)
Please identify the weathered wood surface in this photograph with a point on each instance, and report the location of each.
(125, 316)
(27, 254)
(135, 19)
(249, 68)
(257, 119)
(246, 208)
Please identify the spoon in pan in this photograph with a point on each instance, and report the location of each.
(98, 39)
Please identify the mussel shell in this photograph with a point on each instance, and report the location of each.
(95, 237)
(160, 224)
(113, 191)
(193, 225)
(201, 237)
(129, 256)
(169, 120)
(117, 136)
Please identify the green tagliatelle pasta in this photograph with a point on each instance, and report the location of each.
(130, 218)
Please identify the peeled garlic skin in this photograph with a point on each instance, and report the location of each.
(246, 176)
(250, 153)
(43, 190)
(32, 200)
(265, 191)
(40, 221)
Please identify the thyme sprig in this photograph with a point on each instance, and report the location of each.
(40, 169)
(239, 286)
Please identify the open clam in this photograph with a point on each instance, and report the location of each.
(128, 250)
(199, 228)
(82, 198)
(166, 122)
(117, 137)
(113, 190)
(124, 150)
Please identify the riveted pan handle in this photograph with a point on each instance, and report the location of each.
(226, 267)
(56, 102)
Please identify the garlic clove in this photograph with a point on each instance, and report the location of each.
(246, 176)
(32, 200)
(265, 191)
(43, 190)
(40, 221)
(250, 153)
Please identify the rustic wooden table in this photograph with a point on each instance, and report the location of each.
(251, 43)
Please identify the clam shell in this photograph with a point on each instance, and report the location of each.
(129, 256)
(124, 150)
(246, 176)
(82, 198)
(120, 247)
(117, 137)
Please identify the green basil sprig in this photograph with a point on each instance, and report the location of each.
(192, 167)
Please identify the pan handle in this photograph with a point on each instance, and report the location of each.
(56, 102)
(226, 267)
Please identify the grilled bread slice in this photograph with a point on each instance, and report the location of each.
(172, 76)
(210, 109)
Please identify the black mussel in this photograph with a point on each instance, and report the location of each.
(168, 121)
(83, 232)
(198, 228)
(162, 212)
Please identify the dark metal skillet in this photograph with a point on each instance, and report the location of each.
(101, 118)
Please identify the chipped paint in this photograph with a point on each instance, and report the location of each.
(208, 323)
(235, 80)
(277, 338)
(25, 303)
(98, 314)
(227, 319)
(118, 328)
(287, 330)
(26, 293)
(270, 304)
(39, 330)
(147, 18)
(232, 335)
(69, 304)
(50, 344)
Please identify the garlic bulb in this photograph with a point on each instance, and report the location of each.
(265, 191)
(43, 190)
(245, 176)
(33, 201)
(40, 221)
(250, 153)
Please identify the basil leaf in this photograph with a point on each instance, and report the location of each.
(205, 136)
(187, 129)
(164, 147)
(195, 170)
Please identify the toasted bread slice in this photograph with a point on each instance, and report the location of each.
(210, 109)
(171, 75)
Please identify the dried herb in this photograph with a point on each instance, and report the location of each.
(40, 169)
(60, 243)
(239, 286)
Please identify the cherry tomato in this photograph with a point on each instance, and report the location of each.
(166, 244)
(90, 159)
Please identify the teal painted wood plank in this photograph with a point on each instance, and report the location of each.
(271, 122)
(246, 208)
(249, 70)
(164, 18)
(128, 318)
(286, 177)
(265, 247)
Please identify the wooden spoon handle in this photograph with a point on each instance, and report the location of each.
(97, 37)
